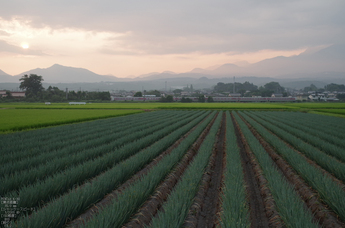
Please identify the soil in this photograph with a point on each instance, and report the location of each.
(87, 215)
(321, 212)
(261, 203)
(154, 204)
(203, 212)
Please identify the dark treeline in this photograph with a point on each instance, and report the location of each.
(34, 91)
(247, 89)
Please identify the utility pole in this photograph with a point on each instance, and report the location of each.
(234, 85)
(66, 93)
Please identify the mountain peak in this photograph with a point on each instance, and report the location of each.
(3, 73)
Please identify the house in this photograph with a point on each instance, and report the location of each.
(277, 95)
(302, 97)
(234, 95)
(14, 94)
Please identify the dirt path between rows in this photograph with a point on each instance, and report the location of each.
(88, 214)
(155, 202)
(208, 215)
(203, 212)
(263, 211)
(321, 212)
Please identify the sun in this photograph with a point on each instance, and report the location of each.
(25, 45)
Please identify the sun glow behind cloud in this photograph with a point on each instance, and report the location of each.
(25, 45)
(122, 38)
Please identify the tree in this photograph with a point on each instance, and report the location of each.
(275, 87)
(186, 100)
(201, 98)
(177, 91)
(138, 94)
(32, 84)
(312, 87)
(153, 92)
(9, 95)
(341, 96)
(168, 98)
(210, 99)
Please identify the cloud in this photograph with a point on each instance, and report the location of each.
(5, 47)
(168, 27)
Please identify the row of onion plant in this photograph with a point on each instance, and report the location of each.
(329, 191)
(175, 209)
(67, 207)
(289, 205)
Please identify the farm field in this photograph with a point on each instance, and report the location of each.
(149, 105)
(178, 168)
(15, 119)
(333, 111)
(26, 116)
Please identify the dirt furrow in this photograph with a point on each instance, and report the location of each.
(263, 211)
(154, 203)
(88, 214)
(204, 210)
(321, 212)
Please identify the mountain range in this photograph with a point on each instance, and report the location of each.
(325, 65)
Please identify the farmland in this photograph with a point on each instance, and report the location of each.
(23, 119)
(178, 168)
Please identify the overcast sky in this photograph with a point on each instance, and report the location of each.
(134, 37)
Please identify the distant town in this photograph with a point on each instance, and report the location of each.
(31, 90)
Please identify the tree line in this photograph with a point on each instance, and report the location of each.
(34, 91)
(248, 89)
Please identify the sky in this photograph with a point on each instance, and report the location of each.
(132, 37)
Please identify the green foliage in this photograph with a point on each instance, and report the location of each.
(67, 207)
(312, 175)
(274, 86)
(319, 140)
(289, 205)
(93, 149)
(32, 84)
(335, 87)
(13, 119)
(228, 87)
(186, 100)
(235, 211)
(177, 91)
(175, 209)
(153, 92)
(168, 98)
(312, 87)
(138, 94)
(201, 98)
(136, 194)
(341, 96)
(210, 99)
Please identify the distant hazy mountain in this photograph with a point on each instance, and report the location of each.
(63, 74)
(4, 77)
(307, 64)
(318, 65)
